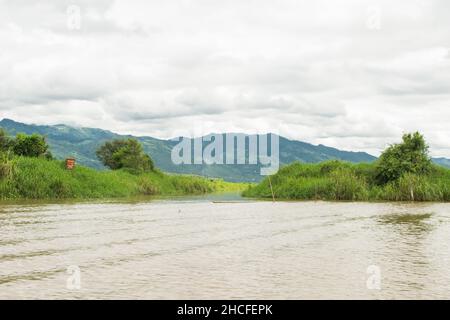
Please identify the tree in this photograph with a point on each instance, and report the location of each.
(410, 156)
(127, 153)
(30, 146)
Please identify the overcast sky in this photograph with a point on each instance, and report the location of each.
(351, 74)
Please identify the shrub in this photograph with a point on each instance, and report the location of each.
(410, 156)
(30, 146)
(127, 154)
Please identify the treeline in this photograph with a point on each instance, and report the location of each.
(404, 172)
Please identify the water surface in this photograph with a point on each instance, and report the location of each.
(199, 248)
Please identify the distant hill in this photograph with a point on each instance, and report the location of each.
(442, 161)
(82, 143)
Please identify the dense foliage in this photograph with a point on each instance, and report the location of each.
(33, 145)
(126, 153)
(410, 156)
(30, 146)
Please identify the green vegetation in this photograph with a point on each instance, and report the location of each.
(5, 141)
(38, 178)
(30, 146)
(410, 156)
(28, 172)
(82, 144)
(403, 173)
(336, 180)
(125, 153)
(24, 145)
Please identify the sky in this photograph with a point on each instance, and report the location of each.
(351, 74)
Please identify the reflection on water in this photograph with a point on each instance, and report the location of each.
(410, 232)
(215, 247)
(414, 223)
(408, 218)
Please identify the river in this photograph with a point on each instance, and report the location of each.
(202, 248)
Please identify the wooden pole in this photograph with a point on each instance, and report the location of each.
(271, 190)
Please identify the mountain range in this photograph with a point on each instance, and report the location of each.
(82, 144)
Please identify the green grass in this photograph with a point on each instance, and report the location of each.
(35, 178)
(335, 180)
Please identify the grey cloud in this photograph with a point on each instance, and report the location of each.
(314, 71)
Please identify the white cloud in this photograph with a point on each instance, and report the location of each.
(313, 71)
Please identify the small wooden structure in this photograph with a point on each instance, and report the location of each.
(70, 163)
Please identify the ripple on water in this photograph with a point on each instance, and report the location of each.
(200, 249)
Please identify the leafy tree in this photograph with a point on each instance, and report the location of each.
(410, 156)
(106, 152)
(126, 153)
(30, 146)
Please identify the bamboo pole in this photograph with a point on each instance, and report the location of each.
(271, 190)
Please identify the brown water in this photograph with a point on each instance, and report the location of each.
(186, 249)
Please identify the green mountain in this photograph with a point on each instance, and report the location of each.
(442, 161)
(82, 143)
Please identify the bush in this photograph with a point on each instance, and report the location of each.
(410, 156)
(125, 154)
(30, 146)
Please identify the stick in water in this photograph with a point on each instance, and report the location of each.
(271, 190)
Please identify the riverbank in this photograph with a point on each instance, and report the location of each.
(36, 178)
(336, 180)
